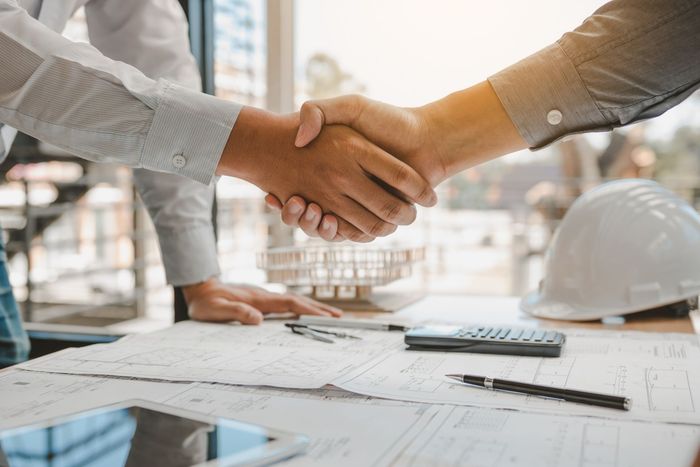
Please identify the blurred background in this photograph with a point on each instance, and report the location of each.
(82, 250)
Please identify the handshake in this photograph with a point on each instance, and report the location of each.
(352, 168)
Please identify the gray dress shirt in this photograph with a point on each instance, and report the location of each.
(131, 97)
(630, 60)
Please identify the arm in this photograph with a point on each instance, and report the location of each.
(152, 36)
(631, 60)
(73, 96)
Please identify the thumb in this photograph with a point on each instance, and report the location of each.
(344, 110)
(243, 312)
(311, 122)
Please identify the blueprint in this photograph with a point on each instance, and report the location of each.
(478, 437)
(266, 355)
(660, 373)
(344, 430)
(347, 429)
(31, 396)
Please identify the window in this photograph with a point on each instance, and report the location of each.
(239, 75)
(494, 221)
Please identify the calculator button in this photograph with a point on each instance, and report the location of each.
(485, 332)
(516, 334)
(538, 336)
(504, 332)
(494, 333)
(550, 336)
(528, 334)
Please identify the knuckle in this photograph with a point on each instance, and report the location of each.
(381, 229)
(391, 211)
(412, 214)
(357, 236)
(289, 219)
(351, 143)
(401, 174)
(426, 193)
(357, 102)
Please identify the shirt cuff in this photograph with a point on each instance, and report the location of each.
(188, 133)
(189, 255)
(546, 98)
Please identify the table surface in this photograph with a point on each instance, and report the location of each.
(481, 310)
(505, 310)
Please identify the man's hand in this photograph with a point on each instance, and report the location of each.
(438, 140)
(214, 301)
(402, 132)
(368, 190)
(407, 133)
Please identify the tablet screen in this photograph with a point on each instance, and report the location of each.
(131, 436)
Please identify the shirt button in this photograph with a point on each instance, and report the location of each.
(179, 161)
(554, 117)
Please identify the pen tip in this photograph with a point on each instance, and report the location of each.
(457, 377)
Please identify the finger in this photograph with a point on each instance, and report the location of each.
(305, 306)
(381, 202)
(273, 202)
(293, 210)
(311, 219)
(334, 311)
(223, 310)
(284, 303)
(314, 114)
(328, 229)
(398, 175)
(311, 122)
(352, 233)
(338, 238)
(367, 222)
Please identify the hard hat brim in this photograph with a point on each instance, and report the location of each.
(536, 305)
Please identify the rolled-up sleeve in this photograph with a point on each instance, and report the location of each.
(631, 60)
(71, 95)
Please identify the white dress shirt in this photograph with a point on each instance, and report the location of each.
(131, 97)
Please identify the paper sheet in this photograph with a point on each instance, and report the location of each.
(344, 429)
(31, 396)
(266, 355)
(660, 373)
(348, 429)
(477, 437)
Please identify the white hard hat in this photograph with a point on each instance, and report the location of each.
(623, 247)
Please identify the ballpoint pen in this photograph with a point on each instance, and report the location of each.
(351, 323)
(570, 395)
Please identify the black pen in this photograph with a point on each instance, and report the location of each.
(570, 395)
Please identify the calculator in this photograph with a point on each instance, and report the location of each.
(486, 339)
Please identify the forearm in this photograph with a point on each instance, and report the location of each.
(631, 60)
(250, 150)
(470, 127)
(75, 97)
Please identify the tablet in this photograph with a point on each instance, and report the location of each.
(138, 433)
